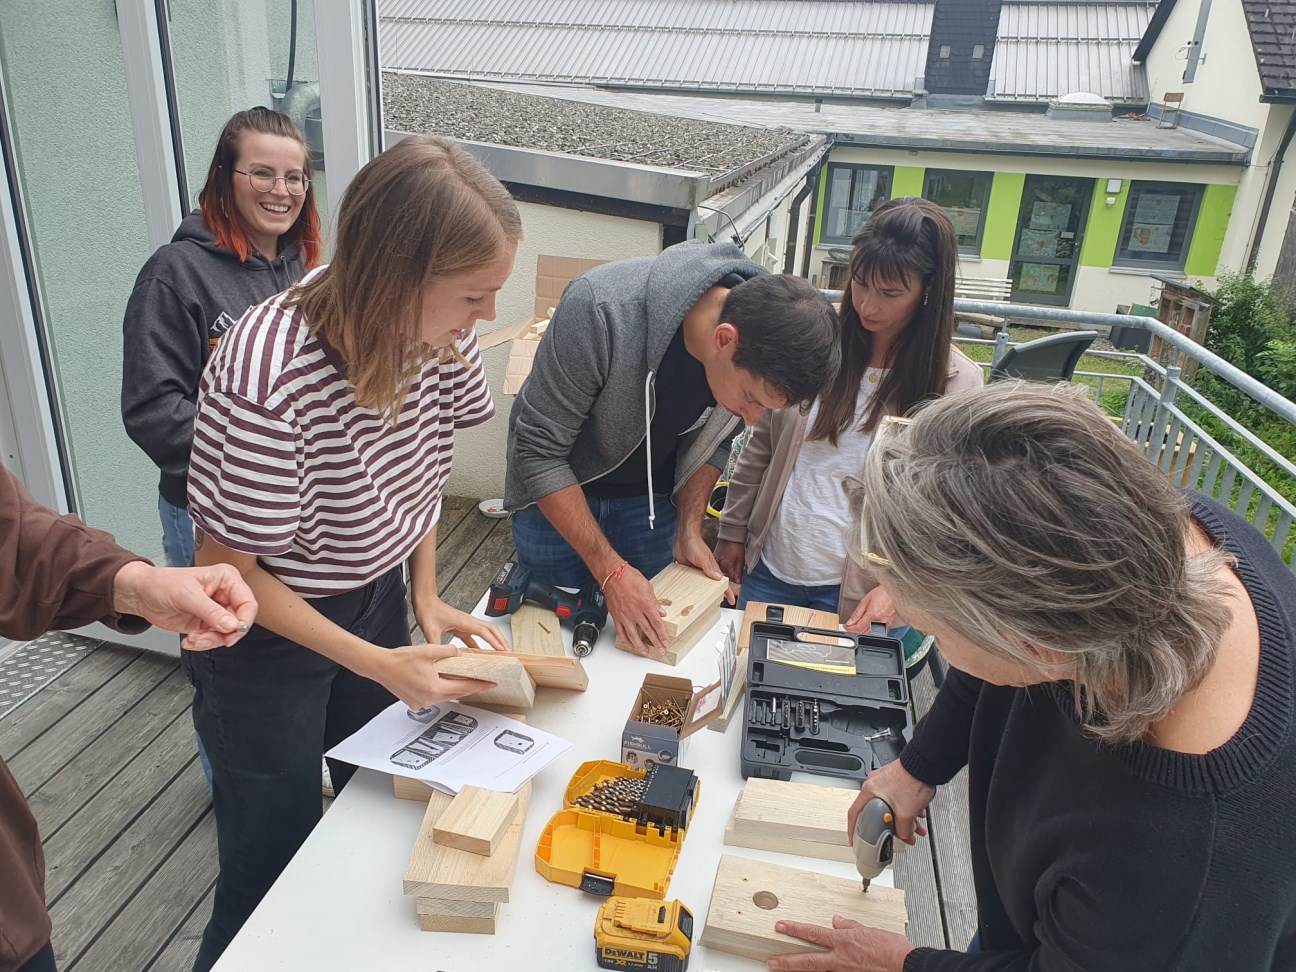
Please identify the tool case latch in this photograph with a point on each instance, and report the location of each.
(597, 884)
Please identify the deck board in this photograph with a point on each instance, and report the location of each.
(144, 927)
(179, 953)
(950, 843)
(28, 721)
(64, 793)
(51, 751)
(127, 862)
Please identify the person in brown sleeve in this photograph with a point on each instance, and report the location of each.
(56, 573)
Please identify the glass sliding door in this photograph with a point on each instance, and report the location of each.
(1050, 228)
(83, 241)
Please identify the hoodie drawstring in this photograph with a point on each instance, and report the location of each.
(652, 507)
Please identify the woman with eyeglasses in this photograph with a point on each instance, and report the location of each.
(781, 531)
(255, 233)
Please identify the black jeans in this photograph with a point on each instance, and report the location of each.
(42, 961)
(266, 709)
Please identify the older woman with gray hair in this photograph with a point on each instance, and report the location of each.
(1121, 692)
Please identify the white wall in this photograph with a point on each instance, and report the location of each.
(1227, 82)
(481, 453)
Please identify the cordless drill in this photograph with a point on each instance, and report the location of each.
(875, 839)
(586, 609)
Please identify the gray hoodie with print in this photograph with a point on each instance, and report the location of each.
(591, 394)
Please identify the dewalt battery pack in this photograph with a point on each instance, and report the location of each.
(643, 936)
(608, 839)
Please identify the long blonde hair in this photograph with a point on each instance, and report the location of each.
(422, 210)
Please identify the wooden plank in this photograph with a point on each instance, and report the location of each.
(750, 896)
(128, 859)
(460, 909)
(151, 918)
(49, 753)
(476, 820)
(771, 813)
(915, 871)
(31, 719)
(802, 617)
(513, 685)
(456, 923)
(182, 949)
(947, 821)
(436, 871)
(71, 849)
(687, 594)
(459, 550)
(536, 631)
(91, 769)
(494, 546)
(406, 788)
(682, 644)
(551, 671)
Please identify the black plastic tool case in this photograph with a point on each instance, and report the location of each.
(780, 733)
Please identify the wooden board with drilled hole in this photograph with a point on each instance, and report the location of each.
(750, 896)
(514, 686)
(408, 788)
(680, 646)
(476, 820)
(437, 871)
(536, 631)
(686, 594)
(792, 818)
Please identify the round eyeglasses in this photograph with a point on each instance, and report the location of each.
(263, 180)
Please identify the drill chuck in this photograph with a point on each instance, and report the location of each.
(584, 635)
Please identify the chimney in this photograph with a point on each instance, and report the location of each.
(962, 46)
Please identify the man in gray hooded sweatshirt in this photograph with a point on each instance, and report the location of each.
(636, 392)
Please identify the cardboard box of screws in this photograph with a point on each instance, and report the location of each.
(665, 713)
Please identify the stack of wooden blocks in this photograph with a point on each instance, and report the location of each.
(692, 602)
(465, 855)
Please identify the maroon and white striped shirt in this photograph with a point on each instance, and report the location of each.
(286, 465)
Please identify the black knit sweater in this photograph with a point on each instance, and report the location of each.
(1089, 856)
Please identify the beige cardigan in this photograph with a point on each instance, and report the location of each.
(764, 467)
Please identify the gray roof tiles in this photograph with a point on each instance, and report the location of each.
(1272, 24)
(1046, 49)
(866, 48)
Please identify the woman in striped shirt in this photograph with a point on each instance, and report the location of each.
(322, 443)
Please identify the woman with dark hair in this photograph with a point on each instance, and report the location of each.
(781, 531)
(323, 438)
(255, 233)
(1120, 691)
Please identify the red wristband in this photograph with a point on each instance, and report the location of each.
(616, 572)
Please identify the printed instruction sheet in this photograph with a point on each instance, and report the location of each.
(451, 746)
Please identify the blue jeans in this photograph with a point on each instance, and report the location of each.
(624, 522)
(267, 709)
(178, 545)
(762, 586)
(177, 534)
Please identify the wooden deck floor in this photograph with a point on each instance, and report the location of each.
(105, 752)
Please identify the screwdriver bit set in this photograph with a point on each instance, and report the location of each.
(823, 718)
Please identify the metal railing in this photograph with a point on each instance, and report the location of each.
(1175, 438)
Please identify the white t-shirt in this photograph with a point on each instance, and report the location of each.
(806, 545)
